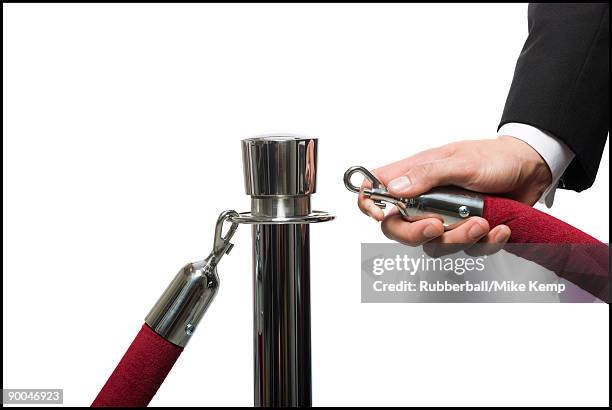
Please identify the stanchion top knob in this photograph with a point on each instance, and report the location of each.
(279, 165)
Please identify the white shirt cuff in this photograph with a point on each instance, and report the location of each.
(556, 154)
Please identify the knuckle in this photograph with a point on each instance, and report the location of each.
(451, 148)
(482, 222)
(420, 173)
(460, 235)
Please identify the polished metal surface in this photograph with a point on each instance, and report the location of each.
(313, 217)
(451, 205)
(280, 175)
(279, 165)
(280, 206)
(178, 311)
(281, 320)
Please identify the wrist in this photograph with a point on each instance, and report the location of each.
(533, 169)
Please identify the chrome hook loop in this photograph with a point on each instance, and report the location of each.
(377, 192)
(222, 244)
(376, 184)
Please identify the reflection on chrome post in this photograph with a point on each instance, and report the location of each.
(280, 176)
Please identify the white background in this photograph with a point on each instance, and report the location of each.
(121, 146)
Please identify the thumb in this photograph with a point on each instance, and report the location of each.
(423, 177)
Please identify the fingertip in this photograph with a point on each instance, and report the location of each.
(368, 207)
(386, 228)
(479, 228)
(411, 233)
(482, 222)
(364, 204)
(502, 235)
(375, 212)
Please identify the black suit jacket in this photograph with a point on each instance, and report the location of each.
(561, 82)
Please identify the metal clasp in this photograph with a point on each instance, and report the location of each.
(449, 204)
(377, 192)
(180, 308)
(222, 244)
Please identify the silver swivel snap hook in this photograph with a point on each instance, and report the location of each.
(221, 244)
(377, 192)
(178, 311)
(451, 205)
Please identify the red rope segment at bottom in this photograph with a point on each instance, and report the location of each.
(140, 372)
(571, 253)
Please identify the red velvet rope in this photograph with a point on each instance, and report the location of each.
(140, 372)
(529, 225)
(567, 251)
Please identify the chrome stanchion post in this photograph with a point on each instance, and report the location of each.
(280, 176)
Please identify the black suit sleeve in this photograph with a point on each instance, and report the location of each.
(561, 82)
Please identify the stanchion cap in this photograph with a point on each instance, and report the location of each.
(279, 165)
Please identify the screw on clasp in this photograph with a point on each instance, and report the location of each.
(222, 244)
(377, 192)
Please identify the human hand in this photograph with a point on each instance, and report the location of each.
(505, 165)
